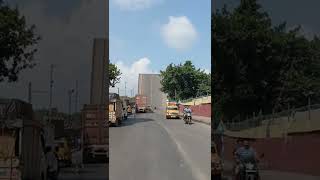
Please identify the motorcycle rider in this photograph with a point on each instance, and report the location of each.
(245, 154)
(185, 111)
(238, 145)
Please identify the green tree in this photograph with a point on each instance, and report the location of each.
(17, 41)
(258, 66)
(114, 75)
(184, 81)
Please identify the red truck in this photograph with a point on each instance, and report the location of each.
(95, 133)
(141, 103)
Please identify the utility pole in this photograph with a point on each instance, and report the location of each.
(118, 91)
(29, 92)
(125, 88)
(70, 97)
(76, 98)
(50, 93)
(151, 92)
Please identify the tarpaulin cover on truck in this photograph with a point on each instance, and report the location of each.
(15, 109)
(7, 147)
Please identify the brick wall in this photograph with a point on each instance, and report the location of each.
(199, 110)
(298, 153)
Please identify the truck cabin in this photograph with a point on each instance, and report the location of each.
(9, 140)
(11, 137)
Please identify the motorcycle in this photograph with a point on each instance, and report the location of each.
(249, 172)
(187, 118)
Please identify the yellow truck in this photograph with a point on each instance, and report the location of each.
(172, 110)
(129, 109)
(115, 109)
(63, 151)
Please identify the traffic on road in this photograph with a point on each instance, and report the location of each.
(149, 146)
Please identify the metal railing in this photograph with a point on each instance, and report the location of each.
(195, 98)
(304, 112)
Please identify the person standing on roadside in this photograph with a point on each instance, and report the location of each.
(57, 157)
(134, 112)
(52, 162)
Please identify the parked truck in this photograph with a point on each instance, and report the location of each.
(141, 103)
(116, 111)
(22, 142)
(95, 133)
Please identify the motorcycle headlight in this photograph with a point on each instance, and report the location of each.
(249, 166)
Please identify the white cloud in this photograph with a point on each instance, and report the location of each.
(133, 5)
(305, 31)
(179, 33)
(207, 71)
(130, 74)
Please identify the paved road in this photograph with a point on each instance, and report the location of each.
(273, 175)
(150, 147)
(89, 172)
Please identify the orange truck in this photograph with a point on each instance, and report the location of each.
(141, 103)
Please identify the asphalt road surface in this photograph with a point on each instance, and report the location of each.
(151, 147)
(89, 172)
(271, 175)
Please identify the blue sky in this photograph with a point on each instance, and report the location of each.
(136, 33)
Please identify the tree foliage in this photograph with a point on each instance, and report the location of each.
(114, 75)
(17, 41)
(184, 81)
(258, 66)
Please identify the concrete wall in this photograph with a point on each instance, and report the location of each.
(99, 79)
(149, 85)
(298, 153)
(199, 110)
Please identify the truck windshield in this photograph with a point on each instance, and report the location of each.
(172, 108)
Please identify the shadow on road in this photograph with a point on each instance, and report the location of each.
(131, 121)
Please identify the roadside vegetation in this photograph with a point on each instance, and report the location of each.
(184, 81)
(259, 66)
(114, 75)
(17, 43)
